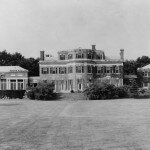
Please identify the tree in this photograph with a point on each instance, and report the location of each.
(130, 67)
(142, 61)
(16, 59)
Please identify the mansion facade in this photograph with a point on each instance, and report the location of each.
(75, 69)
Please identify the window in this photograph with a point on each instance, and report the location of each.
(70, 69)
(13, 84)
(89, 69)
(116, 69)
(89, 55)
(62, 85)
(80, 55)
(145, 73)
(53, 70)
(3, 84)
(98, 69)
(20, 84)
(145, 84)
(62, 57)
(45, 70)
(101, 57)
(103, 69)
(82, 69)
(98, 56)
(70, 56)
(62, 70)
(70, 84)
(107, 69)
(79, 69)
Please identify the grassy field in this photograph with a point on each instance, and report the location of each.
(75, 125)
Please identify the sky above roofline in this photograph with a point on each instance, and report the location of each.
(28, 26)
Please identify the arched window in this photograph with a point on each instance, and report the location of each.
(79, 55)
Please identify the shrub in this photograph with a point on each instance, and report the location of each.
(72, 91)
(122, 92)
(105, 91)
(43, 91)
(143, 93)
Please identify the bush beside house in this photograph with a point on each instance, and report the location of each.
(43, 91)
(105, 91)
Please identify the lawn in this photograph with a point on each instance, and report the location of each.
(75, 125)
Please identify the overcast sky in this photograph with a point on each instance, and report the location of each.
(28, 26)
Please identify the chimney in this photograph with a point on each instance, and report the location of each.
(122, 54)
(42, 55)
(93, 47)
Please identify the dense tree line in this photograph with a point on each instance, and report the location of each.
(131, 67)
(16, 59)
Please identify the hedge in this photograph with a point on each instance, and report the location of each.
(12, 94)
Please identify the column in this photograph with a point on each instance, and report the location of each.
(7, 88)
(8, 84)
(68, 85)
(66, 88)
(24, 84)
(16, 84)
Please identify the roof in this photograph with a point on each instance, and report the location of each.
(146, 67)
(78, 49)
(12, 69)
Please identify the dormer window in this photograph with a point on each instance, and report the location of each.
(70, 56)
(62, 57)
(79, 55)
(98, 56)
(89, 55)
(47, 55)
(101, 57)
